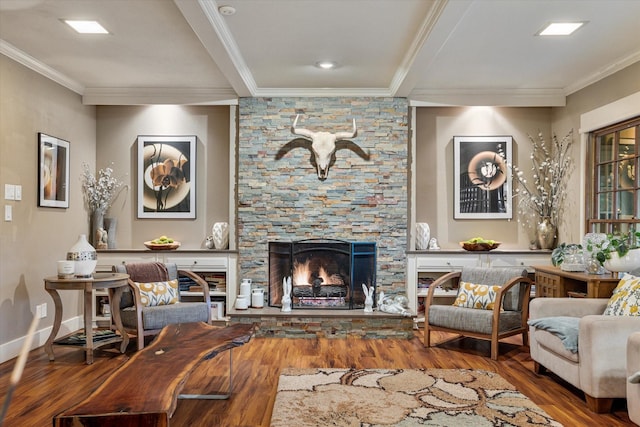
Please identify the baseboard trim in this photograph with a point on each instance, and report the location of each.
(12, 348)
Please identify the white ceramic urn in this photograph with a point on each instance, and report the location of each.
(84, 256)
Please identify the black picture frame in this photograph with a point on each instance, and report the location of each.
(482, 178)
(53, 171)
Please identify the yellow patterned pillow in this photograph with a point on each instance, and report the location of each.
(158, 293)
(476, 296)
(625, 300)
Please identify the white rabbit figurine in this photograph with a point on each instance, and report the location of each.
(368, 301)
(286, 294)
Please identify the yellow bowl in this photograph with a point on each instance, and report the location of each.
(479, 246)
(163, 246)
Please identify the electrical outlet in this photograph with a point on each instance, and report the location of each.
(41, 310)
(8, 213)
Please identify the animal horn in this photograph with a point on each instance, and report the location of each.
(300, 131)
(347, 135)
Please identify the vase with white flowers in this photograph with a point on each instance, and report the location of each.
(542, 193)
(99, 191)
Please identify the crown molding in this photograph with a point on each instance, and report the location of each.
(321, 92)
(488, 97)
(417, 43)
(603, 73)
(159, 96)
(30, 62)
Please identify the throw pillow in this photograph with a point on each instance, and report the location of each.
(625, 300)
(158, 293)
(476, 296)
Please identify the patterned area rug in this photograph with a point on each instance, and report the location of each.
(401, 397)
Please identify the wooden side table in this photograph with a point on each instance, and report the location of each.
(115, 281)
(555, 282)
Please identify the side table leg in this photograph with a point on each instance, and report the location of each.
(88, 324)
(57, 320)
(116, 296)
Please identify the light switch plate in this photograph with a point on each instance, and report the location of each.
(18, 192)
(8, 213)
(9, 192)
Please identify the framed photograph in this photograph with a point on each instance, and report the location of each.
(482, 187)
(167, 177)
(53, 171)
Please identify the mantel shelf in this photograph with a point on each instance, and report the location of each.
(141, 250)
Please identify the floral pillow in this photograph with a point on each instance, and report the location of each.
(476, 296)
(158, 293)
(625, 300)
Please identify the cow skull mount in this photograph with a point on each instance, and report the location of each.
(323, 145)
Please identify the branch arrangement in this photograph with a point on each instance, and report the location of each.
(551, 166)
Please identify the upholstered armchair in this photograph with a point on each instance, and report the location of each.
(497, 310)
(153, 299)
(599, 366)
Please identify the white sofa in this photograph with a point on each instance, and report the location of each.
(599, 368)
(633, 370)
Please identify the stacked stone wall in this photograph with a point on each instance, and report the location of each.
(364, 198)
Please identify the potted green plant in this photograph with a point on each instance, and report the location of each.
(620, 250)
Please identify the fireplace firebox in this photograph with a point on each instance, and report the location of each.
(325, 273)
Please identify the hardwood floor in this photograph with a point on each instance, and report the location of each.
(47, 388)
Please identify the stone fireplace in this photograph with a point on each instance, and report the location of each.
(326, 274)
(363, 199)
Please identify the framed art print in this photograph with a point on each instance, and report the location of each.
(481, 177)
(166, 177)
(53, 171)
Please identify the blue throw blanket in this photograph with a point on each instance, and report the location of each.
(565, 328)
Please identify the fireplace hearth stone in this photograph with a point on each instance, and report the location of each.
(319, 323)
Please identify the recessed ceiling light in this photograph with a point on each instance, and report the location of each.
(326, 65)
(86, 27)
(560, 28)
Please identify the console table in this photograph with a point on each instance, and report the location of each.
(113, 281)
(555, 282)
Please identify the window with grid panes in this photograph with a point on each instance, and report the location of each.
(614, 205)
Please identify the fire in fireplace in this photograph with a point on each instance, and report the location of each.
(325, 273)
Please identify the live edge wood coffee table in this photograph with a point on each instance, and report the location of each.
(144, 391)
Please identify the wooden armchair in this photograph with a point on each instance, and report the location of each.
(505, 317)
(141, 319)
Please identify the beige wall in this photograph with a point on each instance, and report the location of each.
(435, 129)
(117, 130)
(606, 91)
(37, 237)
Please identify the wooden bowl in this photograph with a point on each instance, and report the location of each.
(479, 246)
(162, 247)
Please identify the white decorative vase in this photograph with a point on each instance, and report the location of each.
(629, 262)
(84, 256)
(220, 235)
(423, 234)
